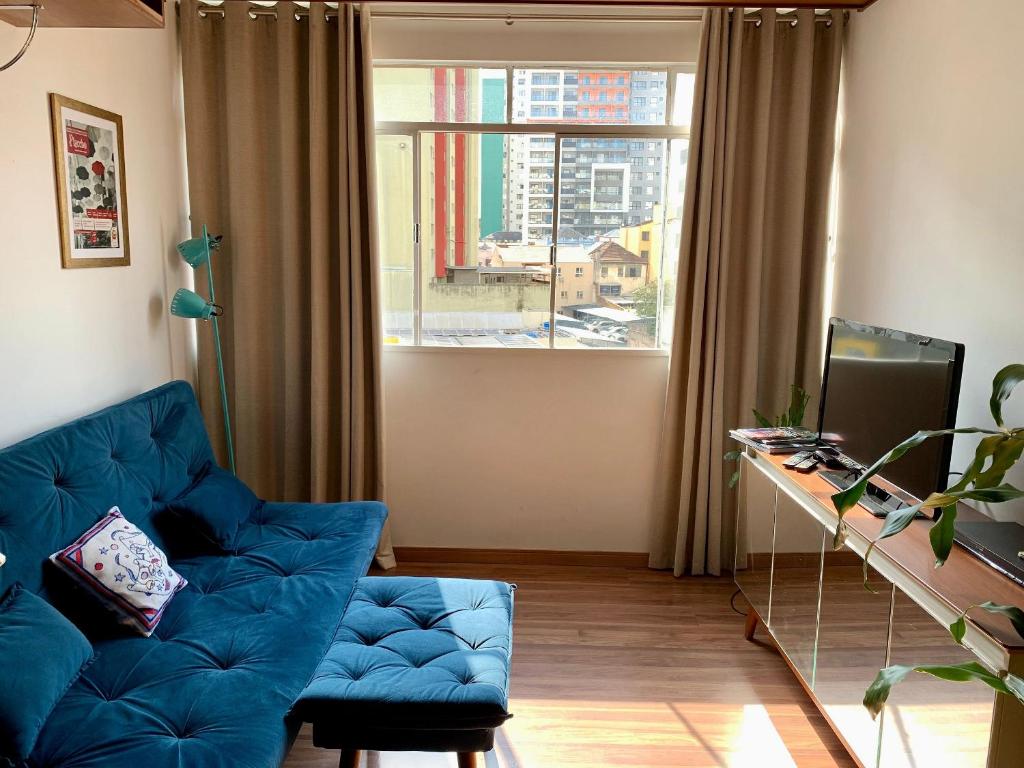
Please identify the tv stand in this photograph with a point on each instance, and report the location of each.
(835, 635)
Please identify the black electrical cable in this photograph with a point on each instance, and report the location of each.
(732, 603)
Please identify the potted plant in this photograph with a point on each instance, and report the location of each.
(1000, 449)
(793, 416)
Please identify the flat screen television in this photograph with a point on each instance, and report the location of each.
(879, 387)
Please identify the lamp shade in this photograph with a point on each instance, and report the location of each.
(190, 304)
(197, 250)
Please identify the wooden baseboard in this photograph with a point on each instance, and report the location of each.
(521, 557)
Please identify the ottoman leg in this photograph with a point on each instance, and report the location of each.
(349, 758)
(467, 759)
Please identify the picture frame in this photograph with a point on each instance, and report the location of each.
(92, 196)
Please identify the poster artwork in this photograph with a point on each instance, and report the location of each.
(91, 153)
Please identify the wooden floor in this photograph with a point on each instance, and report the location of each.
(631, 667)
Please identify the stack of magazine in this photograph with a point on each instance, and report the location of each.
(777, 439)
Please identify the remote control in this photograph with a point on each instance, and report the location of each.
(796, 458)
(806, 466)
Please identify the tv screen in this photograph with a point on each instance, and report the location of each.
(880, 386)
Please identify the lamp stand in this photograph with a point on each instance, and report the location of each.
(220, 360)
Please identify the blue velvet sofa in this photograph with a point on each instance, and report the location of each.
(214, 684)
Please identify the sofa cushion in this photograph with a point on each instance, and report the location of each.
(415, 653)
(213, 685)
(43, 653)
(217, 505)
(139, 455)
(125, 571)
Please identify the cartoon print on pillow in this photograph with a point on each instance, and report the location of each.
(140, 561)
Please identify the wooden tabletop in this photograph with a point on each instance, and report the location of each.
(963, 581)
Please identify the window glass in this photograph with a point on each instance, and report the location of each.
(470, 221)
(439, 94)
(396, 235)
(683, 99)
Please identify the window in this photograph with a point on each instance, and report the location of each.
(471, 221)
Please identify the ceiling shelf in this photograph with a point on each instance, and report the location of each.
(95, 13)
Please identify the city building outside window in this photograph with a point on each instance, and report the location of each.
(474, 225)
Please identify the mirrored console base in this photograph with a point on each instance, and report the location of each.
(835, 635)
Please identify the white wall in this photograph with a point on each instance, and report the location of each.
(75, 340)
(931, 207)
(531, 449)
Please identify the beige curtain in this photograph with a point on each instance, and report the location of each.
(749, 303)
(279, 129)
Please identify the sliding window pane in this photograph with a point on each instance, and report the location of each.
(682, 99)
(671, 225)
(590, 96)
(395, 163)
(439, 94)
(484, 282)
(611, 212)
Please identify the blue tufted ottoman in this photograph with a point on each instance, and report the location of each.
(417, 664)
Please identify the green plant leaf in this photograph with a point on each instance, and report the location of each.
(1006, 451)
(735, 478)
(878, 692)
(798, 399)
(941, 535)
(732, 456)
(1002, 387)
(959, 627)
(986, 448)
(895, 522)
(761, 419)
(846, 500)
(1012, 612)
(997, 495)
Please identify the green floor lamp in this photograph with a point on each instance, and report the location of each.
(196, 252)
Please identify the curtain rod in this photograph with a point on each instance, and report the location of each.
(508, 18)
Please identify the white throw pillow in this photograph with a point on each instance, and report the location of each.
(124, 569)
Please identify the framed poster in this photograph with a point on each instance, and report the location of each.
(92, 201)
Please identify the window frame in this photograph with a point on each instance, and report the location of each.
(559, 131)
